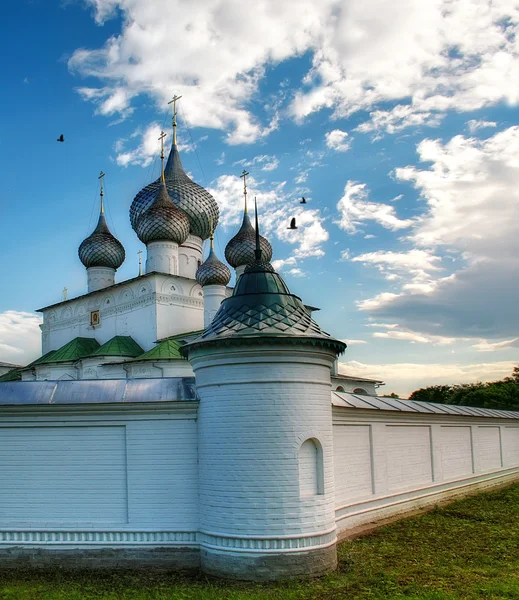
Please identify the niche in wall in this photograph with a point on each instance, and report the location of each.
(311, 470)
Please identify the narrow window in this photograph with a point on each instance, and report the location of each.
(311, 478)
(339, 389)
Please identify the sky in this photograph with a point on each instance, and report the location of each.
(398, 122)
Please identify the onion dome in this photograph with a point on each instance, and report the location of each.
(162, 220)
(197, 203)
(240, 249)
(101, 248)
(262, 310)
(212, 271)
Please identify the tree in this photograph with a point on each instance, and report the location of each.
(503, 395)
(391, 395)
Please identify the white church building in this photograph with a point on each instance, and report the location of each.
(174, 421)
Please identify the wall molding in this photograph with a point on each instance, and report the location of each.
(86, 537)
(267, 544)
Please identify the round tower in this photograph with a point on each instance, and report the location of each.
(240, 251)
(193, 200)
(162, 227)
(101, 253)
(266, 483)
(213, 276)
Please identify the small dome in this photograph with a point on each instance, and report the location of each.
(241, 249)
(212, 271)
(197, 203)
(101, 248)
(162, 220)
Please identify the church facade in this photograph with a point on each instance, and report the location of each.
(175, 421)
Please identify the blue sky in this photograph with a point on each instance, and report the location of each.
(399, 124)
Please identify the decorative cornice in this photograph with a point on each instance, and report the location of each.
(87, 537)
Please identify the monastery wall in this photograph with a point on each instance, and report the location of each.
(106, 473)
(387, 463)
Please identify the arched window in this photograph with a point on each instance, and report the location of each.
(311, 475)
(360, 391)
(339, 388)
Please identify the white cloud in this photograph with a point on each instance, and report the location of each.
(354, 342)
(296, 272)
(475, 125)
(414, 337)
(471, 213)
(355, 208)
(338, 140)
(20, 337)
(264, 161)
(417, 262)
(427, 57)
(275, 210)
(485, 346)
(148, 148)
(404, 378)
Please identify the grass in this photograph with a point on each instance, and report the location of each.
(468, 549)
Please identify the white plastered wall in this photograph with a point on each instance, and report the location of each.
(388, 463)
(85, 478)
(147, 309)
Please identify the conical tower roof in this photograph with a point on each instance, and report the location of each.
(262, 310)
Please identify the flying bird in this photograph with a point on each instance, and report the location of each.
(303, 200)
(292, 224)
(61, 138)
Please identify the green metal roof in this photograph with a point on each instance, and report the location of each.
(263, 309)
(43, 359)
(120, 345)
(167, 350)
(12, 375)
(75, 349)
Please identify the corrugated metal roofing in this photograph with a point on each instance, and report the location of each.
(347, 400)
(107, 391)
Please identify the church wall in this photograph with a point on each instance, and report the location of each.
(148, 308)
(389, 464)
(116, 477)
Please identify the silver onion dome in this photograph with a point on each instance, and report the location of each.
(197, 203)
(212, 271)
(101, 248)
(162, 220)
(241, 248)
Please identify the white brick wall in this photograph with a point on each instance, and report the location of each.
(257, 407)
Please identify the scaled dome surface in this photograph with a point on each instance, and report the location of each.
(197, 203)
(101, 248)
(241, 248)
(213, 271)
(162, 221)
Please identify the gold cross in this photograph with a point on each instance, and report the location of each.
(161, 138)
(65, 293)
(244, 176)
(174, 102)
(102, 193)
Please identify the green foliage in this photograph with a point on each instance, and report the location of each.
(391, 395)
(467, 550)
(503, 395)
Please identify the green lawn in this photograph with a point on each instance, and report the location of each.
(469, 549)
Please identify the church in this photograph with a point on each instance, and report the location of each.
(174, 421)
